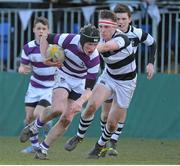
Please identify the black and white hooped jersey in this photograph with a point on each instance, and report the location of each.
(120, 64)
(137, 36)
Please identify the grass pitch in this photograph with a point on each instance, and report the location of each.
(131, 151)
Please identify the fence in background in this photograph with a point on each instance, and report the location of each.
(167, 34)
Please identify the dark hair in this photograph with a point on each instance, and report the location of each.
(107, 14)
(121, 8)
(42, 20)
(89, 33)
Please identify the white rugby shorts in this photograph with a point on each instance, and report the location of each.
(68, 82)
(36, 94)
(122, 91)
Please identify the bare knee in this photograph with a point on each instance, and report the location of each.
(58, 109)
(36, 114)
(90, 111)
(65, 121)
(28, 119)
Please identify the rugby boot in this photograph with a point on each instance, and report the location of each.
(72, 143)
(112, 148)
(41, 154)
(27, 132)
(97, 151)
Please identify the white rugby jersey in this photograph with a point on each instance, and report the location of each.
(42, 75)
(120, 64)
(137, 36)
(77, 63)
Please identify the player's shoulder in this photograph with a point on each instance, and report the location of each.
(31, 44)
(30, 47)
(69, 38)
(136, 30)
(75, 39)
(120, 34)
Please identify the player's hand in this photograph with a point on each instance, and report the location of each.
(24, 69)
(49, 62)
(150, 71)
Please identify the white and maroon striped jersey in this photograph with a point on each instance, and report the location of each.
(77, 63)
(42, 75)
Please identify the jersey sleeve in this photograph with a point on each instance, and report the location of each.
(25, 55)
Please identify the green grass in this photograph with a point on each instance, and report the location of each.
(131, 151)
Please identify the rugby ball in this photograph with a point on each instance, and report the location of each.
(55, 53)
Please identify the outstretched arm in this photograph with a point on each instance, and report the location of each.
(114, 44)
(77, 105)
(108, 46)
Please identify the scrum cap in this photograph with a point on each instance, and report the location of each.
(89, 33)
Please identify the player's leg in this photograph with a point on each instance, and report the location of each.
(111, 126)
(112, 150)
(29, 109)
(123, 97)
(41, 106)
(114, 138)
(45, 116)
(29, 117)
(112, 144)
(121, 100)
(106, 106)
(60, 127)
(31, 100)
(59, 106)
(87, 115)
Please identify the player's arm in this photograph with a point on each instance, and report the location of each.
(114, 44)
(77, 105)
(90, 82)
(151, 52)
(24, 69)
(149, 41)
(88, 91)
(44, 44)
(108, 46)
(151, 59)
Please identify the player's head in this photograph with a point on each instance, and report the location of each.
(41, 26)
(123, 14)
(89, 38)
(107, 24)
